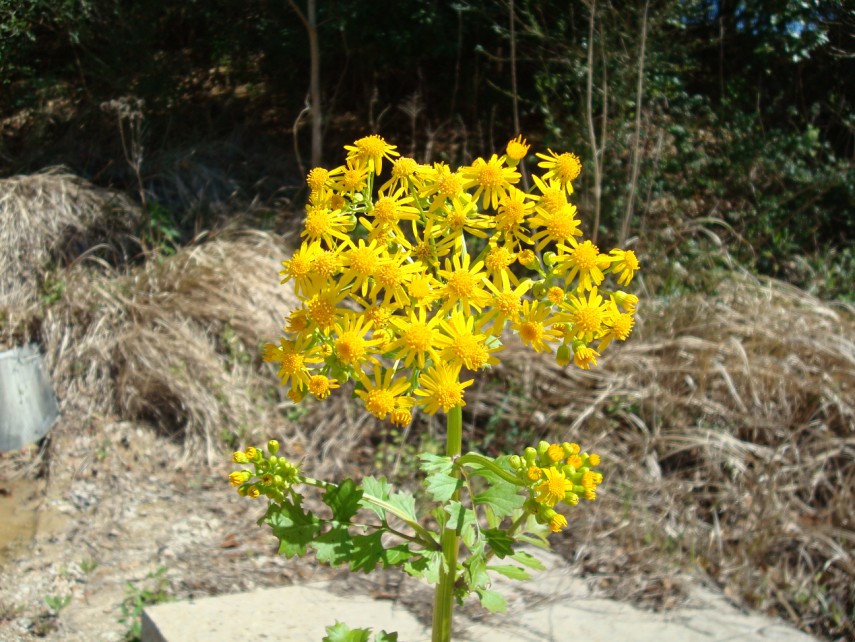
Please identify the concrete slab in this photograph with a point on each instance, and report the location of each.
(289, 614)
(554, 606)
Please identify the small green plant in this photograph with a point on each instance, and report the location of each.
(139, 597)
(342, 633)
(87, 565)
(56, 602)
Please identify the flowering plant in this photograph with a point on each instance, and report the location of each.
(405, 286)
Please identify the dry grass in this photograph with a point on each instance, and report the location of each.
(48, 220)
(728, 422)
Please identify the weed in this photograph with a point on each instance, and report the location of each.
(139, 597)
(56, 603)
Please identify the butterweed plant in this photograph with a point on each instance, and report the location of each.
(409, 281)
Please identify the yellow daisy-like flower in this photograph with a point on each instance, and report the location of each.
(393, 277)
(552, 489)
(555, 452)
(440, 388)
(351, 347)
(552, 197)
(587, 315)
(328, 225)
(317, 179)
(492, 178)
(381, 396)
(464, 284)
(351, 179)
(559, 226)
(505, 305)
(557, 522)
(321, 386)
(390, 209)
(461, 345)
(517, 149)
(583, 260)
(402, 415)
(423, 289)
(372, 150)
(532, 327)
(585, 357)
(300, 266)
(565, 167)
(462, 219)
(239, 477)
(498, 262)
(359, 263)
(440, 183)
(403, 174)
(292, 357)
(626, 263)
(418, 338)
(321, 310)
(555, 295)
(515, 207)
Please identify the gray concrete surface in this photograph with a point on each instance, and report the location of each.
(552, 607)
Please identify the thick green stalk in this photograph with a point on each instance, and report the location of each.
(443, 601)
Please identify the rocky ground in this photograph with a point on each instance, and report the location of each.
(120, 515)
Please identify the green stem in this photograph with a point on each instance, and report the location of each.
(486, 462)
(443, 601)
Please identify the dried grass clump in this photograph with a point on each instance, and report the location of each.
(52, 218)
(175, 342)
(728, 425)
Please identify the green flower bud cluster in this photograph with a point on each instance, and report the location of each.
(272, 476)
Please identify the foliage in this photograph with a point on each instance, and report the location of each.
(154, 590)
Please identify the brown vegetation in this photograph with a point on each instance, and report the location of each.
(726, 423)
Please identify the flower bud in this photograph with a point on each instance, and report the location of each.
(272, 446)
(530, 455)
(515, 461)
(563, 356)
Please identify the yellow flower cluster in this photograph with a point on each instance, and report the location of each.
(271, 476)
(556, 473)
(405, 284)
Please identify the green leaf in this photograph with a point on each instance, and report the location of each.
(529, 560)
(492, 601)
(499, 540)
(442, 486)
(334, 547)
(435, 463)
(459, 516)
(503, 498)
(340, 632)
(386, 637)
(396, 555)
(366, 552)
(293, 527)
(343, 500)
(511, 571)
(476, 572)
(405, 503)
(426, 566)
(378, 488)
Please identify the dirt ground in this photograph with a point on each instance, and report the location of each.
(109, 510)
(117, 515)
